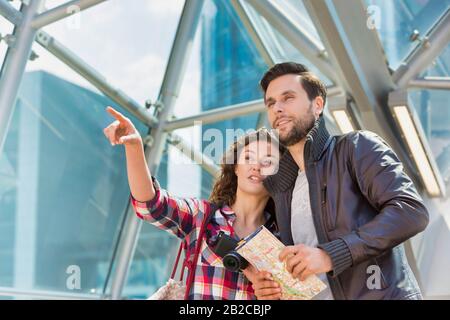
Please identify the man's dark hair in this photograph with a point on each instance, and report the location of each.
(313, 86)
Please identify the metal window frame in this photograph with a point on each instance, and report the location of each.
(423, 55)
(169, 91)
(430, 83)
(62, 11)
(303, 42)
(176, 66)
(15, 63)
(259, 42)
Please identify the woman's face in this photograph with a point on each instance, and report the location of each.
(256, 161)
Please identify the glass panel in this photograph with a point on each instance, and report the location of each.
(396, 21)
(432, 109)
(296, 10)
(136, 38)
(441, 66)
(63, 188)
(224, 67)
(281, 49)
(152, 264)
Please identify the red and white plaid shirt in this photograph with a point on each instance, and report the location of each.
(183, 218)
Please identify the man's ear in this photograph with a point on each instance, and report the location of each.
(318, 106)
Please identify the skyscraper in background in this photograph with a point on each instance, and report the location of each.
(230, 70)
(64, 192)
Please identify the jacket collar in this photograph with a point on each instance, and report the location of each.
(317, 142)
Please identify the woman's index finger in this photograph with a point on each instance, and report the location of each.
(116, 114)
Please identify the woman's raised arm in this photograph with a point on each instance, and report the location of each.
(122, 131)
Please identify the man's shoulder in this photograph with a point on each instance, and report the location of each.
(362, 143)
(358, 137)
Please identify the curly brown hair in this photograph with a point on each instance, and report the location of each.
(225, 187)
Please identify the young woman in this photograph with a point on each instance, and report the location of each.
(238, 204)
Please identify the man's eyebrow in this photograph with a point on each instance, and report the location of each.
(270, 99)
(288, 92)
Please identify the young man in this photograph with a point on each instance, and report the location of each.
(344, 204)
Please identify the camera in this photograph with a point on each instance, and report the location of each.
(225, 248)
(233, 261)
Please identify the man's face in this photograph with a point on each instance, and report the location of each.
(289, 109)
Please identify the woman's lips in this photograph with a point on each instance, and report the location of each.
(255, 179)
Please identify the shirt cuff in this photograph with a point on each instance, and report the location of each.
(340, 254)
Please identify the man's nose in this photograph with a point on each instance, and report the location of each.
(278, 107)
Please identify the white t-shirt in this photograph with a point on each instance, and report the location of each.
(302, 225)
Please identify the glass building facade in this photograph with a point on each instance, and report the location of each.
(63, 194)
(231, 69)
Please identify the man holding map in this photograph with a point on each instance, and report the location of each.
(344, 203)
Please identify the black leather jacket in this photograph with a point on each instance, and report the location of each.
(364, 207)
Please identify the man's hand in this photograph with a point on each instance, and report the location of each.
(263, 285)
(303, 261)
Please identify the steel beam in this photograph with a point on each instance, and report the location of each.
(196, 156)
(14, 66)
(62, 11)
(170, 88)
(431, 83)
(93, 77)
(259, 43)
(419, 59)
(216, 115)
(10, 13)
(312, 49)
(230, 112)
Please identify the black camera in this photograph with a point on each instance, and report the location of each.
(225, 248)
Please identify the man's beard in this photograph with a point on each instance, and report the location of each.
(300, 129)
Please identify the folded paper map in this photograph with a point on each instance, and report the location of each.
(262, 249)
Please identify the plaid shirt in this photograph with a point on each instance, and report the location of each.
(183, 218)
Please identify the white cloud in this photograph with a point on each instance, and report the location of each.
(142, 77)
(165, 7)
(123, 41)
